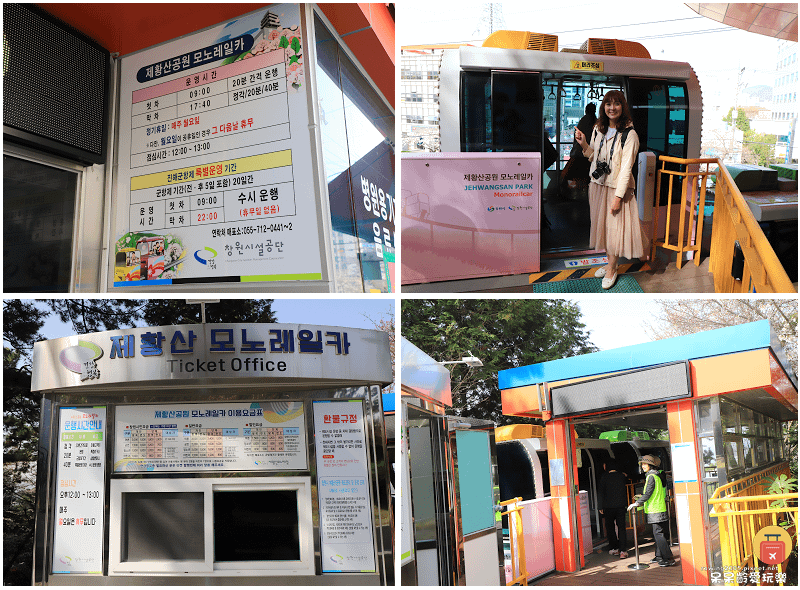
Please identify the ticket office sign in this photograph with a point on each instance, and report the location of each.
(215, 179)
(249, 436)
(80, 492)
(345, 514)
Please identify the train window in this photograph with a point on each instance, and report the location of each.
(501, 112)
(476, 90)
(660, 115)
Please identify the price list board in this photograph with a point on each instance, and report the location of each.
(345, 513)
(216, 159)
(263, 436)
(80, 496)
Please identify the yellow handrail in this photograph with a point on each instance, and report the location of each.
(733, 222)
(517, 540)
(743, 508)
(698, 200)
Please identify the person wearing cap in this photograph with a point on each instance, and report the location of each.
(655, 508)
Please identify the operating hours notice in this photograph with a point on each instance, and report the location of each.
(215, 180)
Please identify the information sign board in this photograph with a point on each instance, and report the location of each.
(345, 517)
(215, 175)
(248, 436)
(80, 496)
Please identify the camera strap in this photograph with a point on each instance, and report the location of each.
(613, 144)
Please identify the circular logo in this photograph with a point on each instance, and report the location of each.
(74, 357)
(207, 258)
(772, 545)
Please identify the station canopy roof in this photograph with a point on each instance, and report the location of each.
(772, 20)
(745, 363)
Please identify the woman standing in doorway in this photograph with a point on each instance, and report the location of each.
(613, 149)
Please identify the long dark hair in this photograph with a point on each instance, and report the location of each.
(624, 119)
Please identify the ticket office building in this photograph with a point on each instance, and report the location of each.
(70, 224)
(721, 395)
(218, 454)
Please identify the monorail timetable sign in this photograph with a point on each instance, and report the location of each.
(294, 352)
(245, 436)
(215, 179)
(80, 497)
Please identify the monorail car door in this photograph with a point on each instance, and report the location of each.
(565, 190)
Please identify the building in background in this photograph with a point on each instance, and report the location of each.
(419, 96)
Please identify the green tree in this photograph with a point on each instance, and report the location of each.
(759, 148)
(175, 312)
(502, 333)
(742, 122)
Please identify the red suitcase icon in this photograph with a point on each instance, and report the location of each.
(772, 552)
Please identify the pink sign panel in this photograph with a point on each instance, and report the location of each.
(469, 215)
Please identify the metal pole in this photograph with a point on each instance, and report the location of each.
(637, 565)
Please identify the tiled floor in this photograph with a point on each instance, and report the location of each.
(602, 569)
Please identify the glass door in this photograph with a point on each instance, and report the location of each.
(565, 177)
(38, 218)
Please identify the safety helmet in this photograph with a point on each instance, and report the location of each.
(650, 460)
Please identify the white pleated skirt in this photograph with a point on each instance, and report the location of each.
(618, 233)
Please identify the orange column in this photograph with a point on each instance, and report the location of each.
(688, 498)
(562, 500)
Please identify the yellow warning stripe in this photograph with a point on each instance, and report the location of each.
(583, 273)
(223, 168)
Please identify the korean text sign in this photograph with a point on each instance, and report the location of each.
(215, 177)
(248, 436)
(345, 513)
(80, 491)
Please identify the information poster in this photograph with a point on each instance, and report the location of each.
(250, 436)
(684, 466)
(78, 536)
(215, 177)
(345, 514)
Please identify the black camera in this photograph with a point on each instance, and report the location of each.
(601, 169)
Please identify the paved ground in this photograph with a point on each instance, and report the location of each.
(602, 569)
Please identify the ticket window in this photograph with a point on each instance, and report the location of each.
(204, 525)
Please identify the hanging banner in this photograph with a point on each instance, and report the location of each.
(345, 517)
(79, 502)
(250, 436)
(214, 181)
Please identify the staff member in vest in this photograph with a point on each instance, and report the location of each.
(655, 507)
(612, 204)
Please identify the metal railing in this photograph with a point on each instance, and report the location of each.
(690, 195)
(743, 508)
(519, 570)
(736, 236)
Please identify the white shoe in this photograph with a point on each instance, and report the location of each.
(608, 282)
(600, 272)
